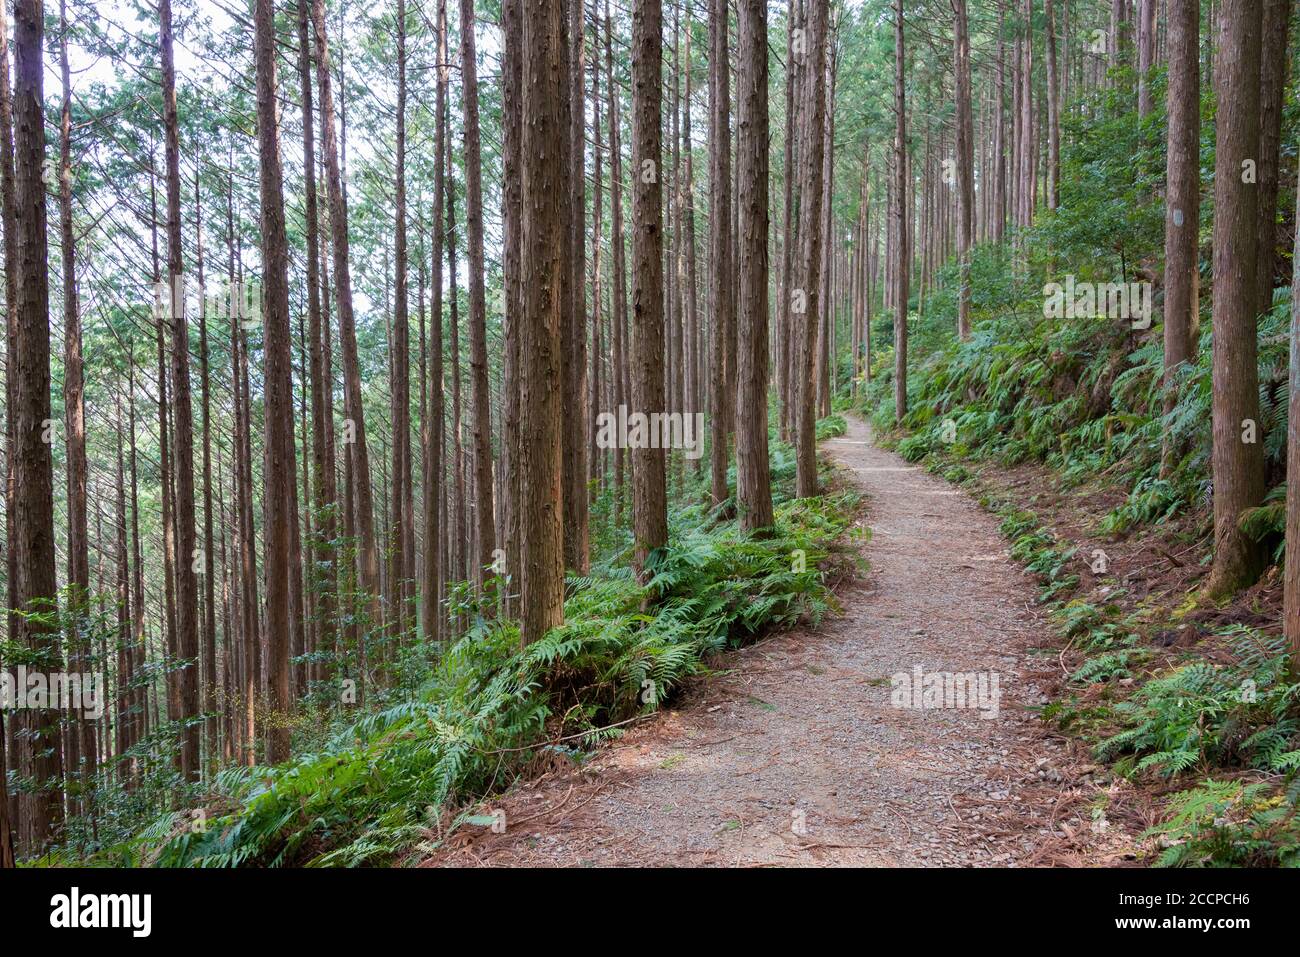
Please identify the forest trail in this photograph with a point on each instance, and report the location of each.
(791, 754)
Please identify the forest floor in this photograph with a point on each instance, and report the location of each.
(790, 753)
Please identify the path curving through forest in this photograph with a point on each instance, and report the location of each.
(796, 755)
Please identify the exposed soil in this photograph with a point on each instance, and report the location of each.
(792, 754)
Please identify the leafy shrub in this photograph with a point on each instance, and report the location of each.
(376, 788)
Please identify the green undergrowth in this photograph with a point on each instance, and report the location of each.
(1213, 712)
(403, 777)
(1225, 724)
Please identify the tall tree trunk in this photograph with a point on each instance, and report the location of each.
(7, 214)
(1274, 70)
(461, 541)
(965, 162)
(595, 464)
(125, 670)
(187, 592)
(435, 486)
(544, 170)
(512, 215)
(209, 702)
(1146, 53)
(1238, 453)
(402, 537)
(1182, 202)
(808, 282)
(1025, 189)
(281, 509)
(355, 419)
(1053, 113)
(785, 348)
(999, 134)
(900, 256)
(619, 312)
(1291, 576)
(572, 331)
(649, 489)
(753, 482)
(691, 332)
(720, 239)
(74, 409)
(35, 585)
(483, 510)
(321, 557)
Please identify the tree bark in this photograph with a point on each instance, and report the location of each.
(1053, 113)
(281, 511)
(900, 256)
(965, 162)
(1182, 202)
(544, 171)
(720, 239)
(187, 595)
(649, 490)
(753, 481)
(1274, 69)
(402, 534)
(352, 407)
(808, 281)
(74, 409)
(572, 325)
(1146, 54)
(619, 312)
(35, 585)
(483, 509)
(1238, 460)
(1291, 575)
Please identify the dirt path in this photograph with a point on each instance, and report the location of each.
(795, 755)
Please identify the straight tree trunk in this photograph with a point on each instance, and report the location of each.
(1146, 54)
(808, 281)
(649, 489)
(691, 352)
(35, 583)
(512, 214)
(483, 509)
(1182, 202)
(595, 465)
(435, 485)
(403, 544)
(74, 408)
(7, 214)
(1274, 69)
(619, 312)
(1291, 576)
(572, 331)
(965, 162)
(999, 134)
(281, 509)
(321, 558)
(208, 691)
(720, 240)
(355, 419)
(1053, 113)
(544, 173)
(1238, 453)
(900, 256)
(753, 481)
(785, 349)
(1025, 189)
